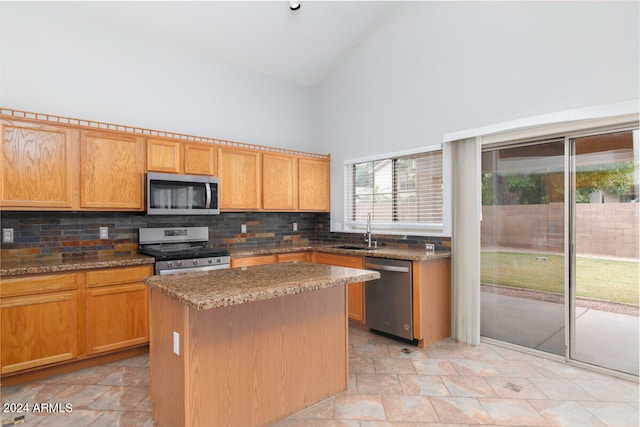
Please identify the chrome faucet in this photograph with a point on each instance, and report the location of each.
(367, 235)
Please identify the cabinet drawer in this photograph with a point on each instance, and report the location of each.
(339, 260)
(293, 256)
(113, 276)
(254, 260)
(29, 285)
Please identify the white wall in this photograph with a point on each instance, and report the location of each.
(69, 66)
(437, 67)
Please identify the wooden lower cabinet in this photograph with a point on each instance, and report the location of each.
(117, 305)
(253, 260)
(431, 301)
(39, 321)
(50, 319)
(293, 256)
(117, 317)
(38, 330)
(356, 290)
(270, 259)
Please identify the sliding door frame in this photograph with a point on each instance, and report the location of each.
(567, 131)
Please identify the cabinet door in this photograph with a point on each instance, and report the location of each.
(313, 184)
(111, 172)
(164, 156)
(38, 330)
(240, 179)
(200, 159)
(279, 182)
(38, 164)
(117, 317)
(356, 290)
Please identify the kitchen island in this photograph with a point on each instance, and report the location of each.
(248, 346)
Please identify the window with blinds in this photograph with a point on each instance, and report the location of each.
(402, 192)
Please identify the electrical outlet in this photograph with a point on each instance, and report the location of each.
(104, 232)
(243, 228)
(295, 226)
(7, 235)
(176, 343)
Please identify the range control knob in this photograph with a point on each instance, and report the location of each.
(170, 264)
(195, 262)
(210, 260)
(179, 263)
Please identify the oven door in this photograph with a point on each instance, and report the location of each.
(192, 269)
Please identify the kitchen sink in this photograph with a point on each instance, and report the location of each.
(355, 248)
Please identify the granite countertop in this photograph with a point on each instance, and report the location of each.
(222, 288)
(381, 252)
(12, 267)
(47, 265)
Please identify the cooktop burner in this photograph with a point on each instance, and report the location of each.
(163, 254)
(166, 244)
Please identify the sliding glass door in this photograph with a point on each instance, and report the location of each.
(604, 270)
(522, 243)
(559, 247)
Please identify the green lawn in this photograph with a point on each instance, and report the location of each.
(599, 278)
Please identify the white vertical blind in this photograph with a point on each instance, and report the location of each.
(396, 190)
(465, 240)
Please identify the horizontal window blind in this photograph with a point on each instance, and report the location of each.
(397, 190)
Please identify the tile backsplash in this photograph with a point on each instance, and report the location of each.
(77, 234)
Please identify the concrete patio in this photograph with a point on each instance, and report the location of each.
(604, 339)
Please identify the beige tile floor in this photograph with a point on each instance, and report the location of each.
(391, 385)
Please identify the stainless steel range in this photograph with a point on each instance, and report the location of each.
(181, 250)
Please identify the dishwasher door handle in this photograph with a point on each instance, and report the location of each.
(386, 267)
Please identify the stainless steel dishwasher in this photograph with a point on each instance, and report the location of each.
(389, 299)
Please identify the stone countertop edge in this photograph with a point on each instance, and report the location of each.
(48, 265)
(40, 266)
(381, 252)
(228, 287)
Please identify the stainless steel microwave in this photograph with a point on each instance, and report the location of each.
(173, 194)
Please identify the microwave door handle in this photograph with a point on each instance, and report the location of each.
(207, 187)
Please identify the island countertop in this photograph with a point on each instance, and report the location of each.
(227, 287)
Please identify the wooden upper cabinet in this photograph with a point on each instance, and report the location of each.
(111, 171)
(279, 182)
(164, 156)
(181, 157)
(200, 159)
(66, 166)
(39, 166)
(240, 179)
(313, 184)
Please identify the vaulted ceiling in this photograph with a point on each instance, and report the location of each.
(264, 36)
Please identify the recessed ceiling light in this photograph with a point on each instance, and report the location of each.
(294, 5)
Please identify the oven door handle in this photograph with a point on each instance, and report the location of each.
(207, 187)
(386, 267)
(193, 269)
